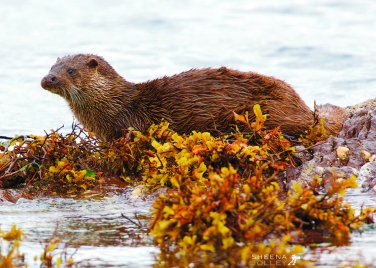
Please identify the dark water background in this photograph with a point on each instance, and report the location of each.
(324, 48)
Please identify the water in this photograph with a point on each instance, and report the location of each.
(324, 48)
(102, 235)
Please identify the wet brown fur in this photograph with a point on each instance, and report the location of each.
(198, 99)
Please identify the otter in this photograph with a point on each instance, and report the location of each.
(198, 99)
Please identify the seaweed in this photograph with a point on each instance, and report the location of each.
(224, 201)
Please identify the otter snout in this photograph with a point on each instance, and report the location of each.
(49, 81)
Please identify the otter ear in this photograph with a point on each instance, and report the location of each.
(92, 63)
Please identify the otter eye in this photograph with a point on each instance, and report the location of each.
(70, 71)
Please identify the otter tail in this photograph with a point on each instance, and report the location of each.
(334, 117)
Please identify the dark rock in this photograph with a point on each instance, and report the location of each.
(359, 136)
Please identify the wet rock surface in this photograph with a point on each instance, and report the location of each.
(351, 152)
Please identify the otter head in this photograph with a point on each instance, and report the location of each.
(92, 88)
(72, 76)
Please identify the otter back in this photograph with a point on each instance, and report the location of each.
(198, 99)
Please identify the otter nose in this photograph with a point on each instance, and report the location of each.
(49, 80)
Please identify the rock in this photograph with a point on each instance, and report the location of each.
(366, 155)
(342, 173)
(137, 192)
(361, 121)
(351, 152)
(343, 153)
(367, 176)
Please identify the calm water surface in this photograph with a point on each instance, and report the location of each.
(324, 48)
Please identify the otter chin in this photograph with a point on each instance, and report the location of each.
(198, 99)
